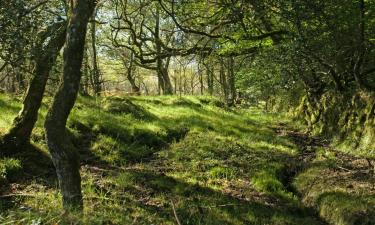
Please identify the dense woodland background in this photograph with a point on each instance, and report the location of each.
(159, 73)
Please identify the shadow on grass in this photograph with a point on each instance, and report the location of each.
(34, 165)
(199, 205)
(118, 144)
(8, 106)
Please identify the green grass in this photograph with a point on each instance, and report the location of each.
(141, 155)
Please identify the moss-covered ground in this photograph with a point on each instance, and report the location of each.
(159, 160)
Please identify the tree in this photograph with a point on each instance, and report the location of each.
(46, 52)
(95, 76)
(64, 156)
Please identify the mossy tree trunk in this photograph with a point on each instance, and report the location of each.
(64, 155)
(46, 54)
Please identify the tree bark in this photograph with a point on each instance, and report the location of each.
(97, 86)
(200, 79)
(130, 75)
(20, 132)
(161, 69)
(210, 85)
(84, 86)
(231, 82)
(223, 81)
(64, 155)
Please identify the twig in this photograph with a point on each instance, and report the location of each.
(17, 195)
(348, 170)
(175, 213)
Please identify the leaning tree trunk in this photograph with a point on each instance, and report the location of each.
(64, 155)
(20, 132)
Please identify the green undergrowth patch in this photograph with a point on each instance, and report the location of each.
(143, 156)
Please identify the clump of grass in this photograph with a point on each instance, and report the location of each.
(107, 149)
(9, 167)
(219, 172)
(269, 180)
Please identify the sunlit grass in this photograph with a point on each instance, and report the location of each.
(215, 165)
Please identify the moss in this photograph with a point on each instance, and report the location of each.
(348, 119)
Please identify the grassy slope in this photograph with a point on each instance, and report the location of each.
(141, 158)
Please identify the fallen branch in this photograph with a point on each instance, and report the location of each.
(18, 195)
(175, 213)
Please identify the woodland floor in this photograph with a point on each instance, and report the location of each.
(190, 160)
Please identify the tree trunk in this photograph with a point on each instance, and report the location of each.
(64, 156)
(162, 70)
(223, 81)
(210, 86)
(200, 79)
(24, 123)
(168, 88)
(175, 82)
(97, 86)
(84, 88)
(130, 75)
(231, 82)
